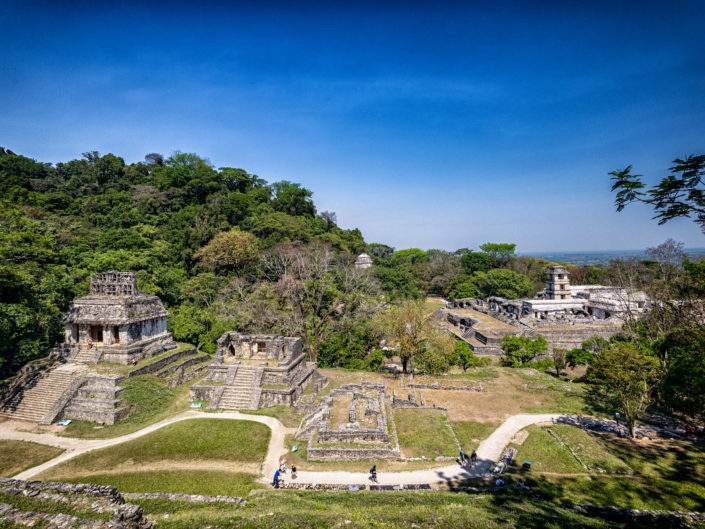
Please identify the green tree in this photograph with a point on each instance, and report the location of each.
(463, 287)
(683, 384)
(412, 332)
(522, 349)
(464, 357)
(503, 283)
(499, 252)
(560, 361)
(293, 199)
(622, 379)
(476, 262)
(229, 250)
(679, 194)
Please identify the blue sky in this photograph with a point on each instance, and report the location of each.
(436, 127)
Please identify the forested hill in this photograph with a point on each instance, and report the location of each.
(166, 218)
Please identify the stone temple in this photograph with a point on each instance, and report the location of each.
(115, 321)
(256, 371)
(363, 261)
(564, 314)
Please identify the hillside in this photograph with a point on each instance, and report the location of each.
(61, 222)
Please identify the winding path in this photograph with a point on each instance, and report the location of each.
(488, 452)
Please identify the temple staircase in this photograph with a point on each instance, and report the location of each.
(84, 355)
(36, 398)
(239, 394)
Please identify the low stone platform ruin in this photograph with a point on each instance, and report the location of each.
(257, 371)
(352, 423)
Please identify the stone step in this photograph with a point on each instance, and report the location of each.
(38, 399)
(100, 392)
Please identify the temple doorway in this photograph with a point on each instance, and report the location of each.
(97, 333)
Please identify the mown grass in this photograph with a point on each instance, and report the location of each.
(27, 503)
(668, 475)
(286, 415)
(17, 456)
(424, 432)
(588, 449)
(191, 440)
(324, 509)
(150, 401)
(470, 434)
(210, 482)
(545, 454)
(559, 396)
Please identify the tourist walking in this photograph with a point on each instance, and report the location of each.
(275, 482)
(293, 471)
(373, 473)
(462, 457)
(473, 458)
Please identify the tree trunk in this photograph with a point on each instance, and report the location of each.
(629, 423)
(403, 364)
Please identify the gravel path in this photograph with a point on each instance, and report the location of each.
(488, 452)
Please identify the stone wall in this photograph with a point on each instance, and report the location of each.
(97, 498)
(351, 454)
(96, 400)
(159, 364)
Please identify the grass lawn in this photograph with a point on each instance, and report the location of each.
(195, 441)
(16, 456)
(286, 414)
(668, 475)
(327, 509)
(212, 482)
(589, 449)
(150, 401)
(470, 434)
(545, 454)
(424, 433)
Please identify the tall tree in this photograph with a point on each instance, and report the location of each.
(410, 329)
(314, 289)
(499, 252)
(293, 199)
(622, 379)
(679, 194)
(229, 250)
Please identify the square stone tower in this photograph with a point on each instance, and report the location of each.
(557, 283)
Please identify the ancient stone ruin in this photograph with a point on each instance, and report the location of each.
(115, 322)
(352, 423)
(363, 261)
(251, 372)
(564, 314)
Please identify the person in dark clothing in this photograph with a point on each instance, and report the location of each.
(373, 473)
(473, 457)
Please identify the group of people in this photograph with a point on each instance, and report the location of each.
(463, 459)
(373, 471)
(282, 470)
